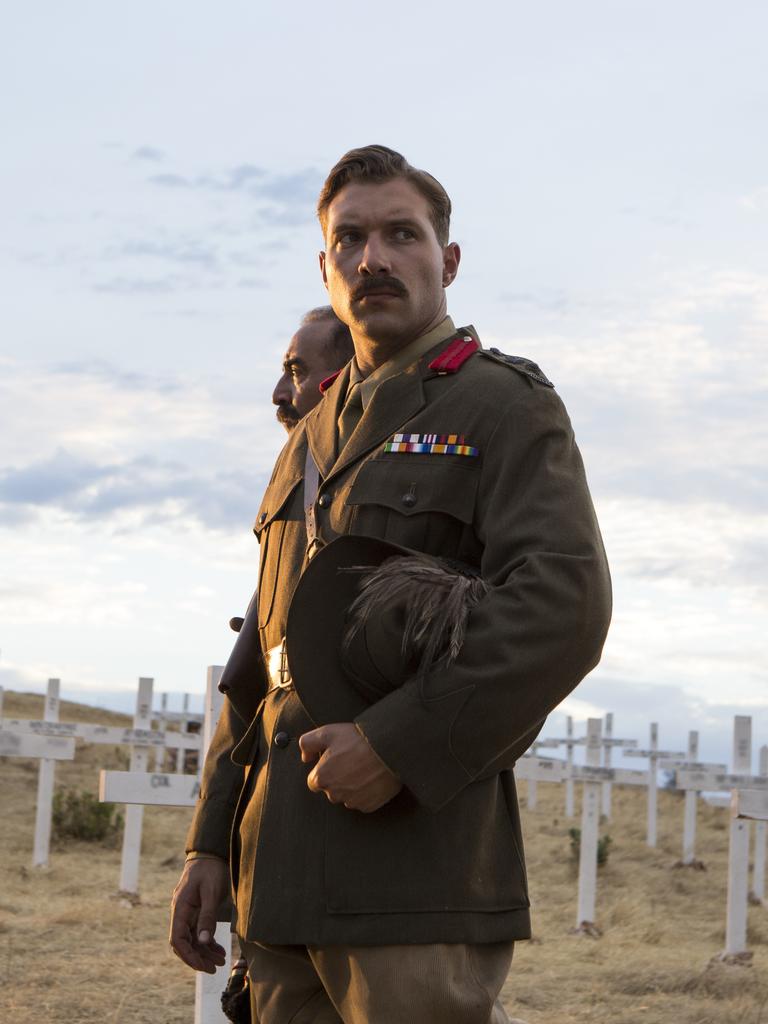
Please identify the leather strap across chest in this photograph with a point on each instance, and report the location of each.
(311, 487)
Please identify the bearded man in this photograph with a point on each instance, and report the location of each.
(321, 346)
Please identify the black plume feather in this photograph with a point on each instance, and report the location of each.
(435, 598)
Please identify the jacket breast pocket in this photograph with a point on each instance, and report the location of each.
(423, 502)
(280, 506)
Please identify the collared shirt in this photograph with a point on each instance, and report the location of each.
(399, 362)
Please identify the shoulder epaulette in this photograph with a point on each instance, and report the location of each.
(325, 384)
(457, 352)
(519, 363)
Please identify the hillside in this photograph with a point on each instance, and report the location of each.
(72, 952)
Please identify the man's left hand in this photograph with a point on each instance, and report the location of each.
(348, 770)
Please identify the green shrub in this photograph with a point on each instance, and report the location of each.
(603, 846)
(81, 816)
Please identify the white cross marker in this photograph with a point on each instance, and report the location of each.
(590, 815)
(654, 755)
(607, 742)
(44, 809)
(690, 764)
(738, 850)
(179, 790)
(569, 785)
(608, 734)
(761, 826)
(48, 749)
(134, 813)
(55, 748)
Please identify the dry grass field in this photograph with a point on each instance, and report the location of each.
(71, 952)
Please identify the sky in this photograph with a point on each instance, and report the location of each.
(608, 167)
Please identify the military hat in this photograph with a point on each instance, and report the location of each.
(366, 616)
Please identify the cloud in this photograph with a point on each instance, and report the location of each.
(181, 250)
(668, 395)
(124, 285)
(148, 153)
(54, 479)
(547, 300)
(131, 449)
(757, 200)
(239, 177)
(281, 199)
(169, 181)
(286, 216)
(301, 187)
(115, 376)
(158, 490)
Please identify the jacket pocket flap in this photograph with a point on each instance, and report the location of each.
(273, 502)
(410, 484)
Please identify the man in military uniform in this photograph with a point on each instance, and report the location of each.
(321, 345)
(378, 863)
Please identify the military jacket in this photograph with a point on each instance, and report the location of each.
(479, 464)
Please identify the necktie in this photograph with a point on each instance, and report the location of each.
(350, 415)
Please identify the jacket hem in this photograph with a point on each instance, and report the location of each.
(405, 929)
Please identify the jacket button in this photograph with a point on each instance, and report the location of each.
(409, 500)
(324, 500)
(282, 739)
(262, 518)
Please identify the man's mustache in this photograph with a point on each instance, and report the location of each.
(372, 285)
(287, 415)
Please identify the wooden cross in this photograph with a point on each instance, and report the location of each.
(136, 788)
(140, 737)
(747, 791)
(188, 722)
(691, 763)
(654, 755)
(607, 743)
(738, 849)
(761, 827)
(158, 739)
(49, 749)
(593, 776)
(590, 819)
(532, 779)
(53, 748)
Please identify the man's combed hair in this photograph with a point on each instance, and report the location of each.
(377, 164)
(340, 341)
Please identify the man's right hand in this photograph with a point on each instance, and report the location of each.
(200, 890)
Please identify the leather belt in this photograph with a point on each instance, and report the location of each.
(277, 668)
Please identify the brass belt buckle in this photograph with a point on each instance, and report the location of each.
(279, 673)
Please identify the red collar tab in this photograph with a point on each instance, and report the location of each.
(325, 384)
(452, 358)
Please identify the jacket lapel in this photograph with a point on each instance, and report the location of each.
(394, 402)
(320, 424)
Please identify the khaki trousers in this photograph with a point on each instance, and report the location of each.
(434, 984)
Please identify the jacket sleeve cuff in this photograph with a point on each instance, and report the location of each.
(200, 855)
(411, 735)
(211, 827)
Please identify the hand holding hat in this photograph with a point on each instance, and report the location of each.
(366, 616)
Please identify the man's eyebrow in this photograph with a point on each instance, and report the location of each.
(396, 220)
(403, 218)
(290, 361)
(346, 225)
